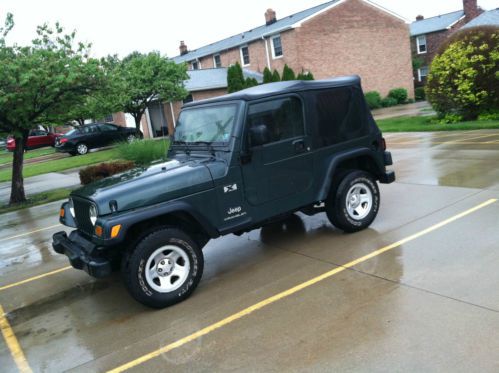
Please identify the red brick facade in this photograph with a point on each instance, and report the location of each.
(353, 37)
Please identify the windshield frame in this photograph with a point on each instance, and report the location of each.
(204, 144)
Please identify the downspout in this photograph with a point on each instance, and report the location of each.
(266, 51)
(173, 115)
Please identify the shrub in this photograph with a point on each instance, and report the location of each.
(305, 76)
(275, 76)
(143, 152)
(373, 99)
(250, 82)
(288, 73)
(420, 94)
(235, 78)
(463, 77)
(388, 101)
(267, 75)
(399, 95)
(93, 173)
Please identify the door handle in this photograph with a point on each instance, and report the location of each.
(299, 146)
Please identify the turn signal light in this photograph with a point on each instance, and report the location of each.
(98, 230)
(61, 213)
(115, 231)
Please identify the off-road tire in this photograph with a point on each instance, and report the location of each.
(135, 259)
(336, 203)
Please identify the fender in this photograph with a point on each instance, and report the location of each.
(132, 217)
(336, 159)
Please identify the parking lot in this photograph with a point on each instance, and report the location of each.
(418, 290)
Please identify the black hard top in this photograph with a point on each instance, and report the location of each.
(272, 89)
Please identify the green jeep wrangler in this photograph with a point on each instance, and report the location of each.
(236, 163)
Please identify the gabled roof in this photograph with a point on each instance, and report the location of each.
(280, 25)
(489, 18)
(251, 35)
(205, 79)
(433, 24)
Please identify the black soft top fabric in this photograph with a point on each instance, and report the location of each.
(272, 89)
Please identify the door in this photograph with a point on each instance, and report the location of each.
(38, 138)
(109, 134)
(279, 174)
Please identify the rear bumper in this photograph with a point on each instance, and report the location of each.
(82, 253)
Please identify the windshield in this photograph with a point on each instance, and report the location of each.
(208, 124)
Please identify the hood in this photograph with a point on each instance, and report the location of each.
(142, 187)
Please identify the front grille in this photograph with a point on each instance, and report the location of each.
(82, 215)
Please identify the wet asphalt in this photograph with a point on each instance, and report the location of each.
(428, 304)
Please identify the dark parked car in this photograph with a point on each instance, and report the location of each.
(236, 163)
(81, 139)
(37, 139)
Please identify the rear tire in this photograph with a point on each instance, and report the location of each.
(163, 268)
(354, 202)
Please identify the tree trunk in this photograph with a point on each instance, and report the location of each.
(137, 118)
(80, 121)
(17, 194)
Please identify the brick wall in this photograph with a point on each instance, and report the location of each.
(357, 38)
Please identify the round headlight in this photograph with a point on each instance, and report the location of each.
(93, 214)
(71, 207)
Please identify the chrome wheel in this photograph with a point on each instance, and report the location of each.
(359, 201)
(82, 149)
(167, 268)
(130, 138)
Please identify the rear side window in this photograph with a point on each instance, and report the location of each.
(283, 117)
(339, 115)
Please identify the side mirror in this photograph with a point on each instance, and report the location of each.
(259, 135)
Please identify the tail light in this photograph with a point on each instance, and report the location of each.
(383, 143)
(10, 140)
(62, 140)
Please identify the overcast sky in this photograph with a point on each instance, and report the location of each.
(122, 26)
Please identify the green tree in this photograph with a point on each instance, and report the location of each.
(142, 78)
(38, 83)
(463, 81)
(267, 75)
(275, 76)
(305, 76)
(250, 82)
(288, 73)
(235, 78)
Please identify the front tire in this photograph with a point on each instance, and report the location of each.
(82, 148)
(164, 268)
(354, 203)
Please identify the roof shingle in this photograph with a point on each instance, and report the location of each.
(434, 24)
(489, 18)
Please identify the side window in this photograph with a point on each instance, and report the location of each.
(107, 127)
(89, 129)
(283, 117)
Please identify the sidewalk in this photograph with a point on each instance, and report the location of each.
(42, 183)
(421, 108)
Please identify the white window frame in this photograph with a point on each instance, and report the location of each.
(418, 44)
(274, 57)
(420, 76)
(199, 65)
(215, 62)
(242, 57)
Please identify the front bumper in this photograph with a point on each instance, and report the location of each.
(82, 253)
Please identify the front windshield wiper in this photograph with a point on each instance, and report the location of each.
(209, 144)
(185, 143)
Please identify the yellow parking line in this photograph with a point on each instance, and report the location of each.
(31, 232)
(13, 344)
(5, 287)
(293, 290)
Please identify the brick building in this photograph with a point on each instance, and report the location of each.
(340, 37)
(428, 34)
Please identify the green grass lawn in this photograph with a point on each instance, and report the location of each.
(424, 124)
(6, 157)
(62, 164)
(38, 199)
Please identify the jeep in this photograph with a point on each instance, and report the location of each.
(236, 163)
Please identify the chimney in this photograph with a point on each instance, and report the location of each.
(419, 17)
(270, 17)
(183, 48)
(470, 8)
